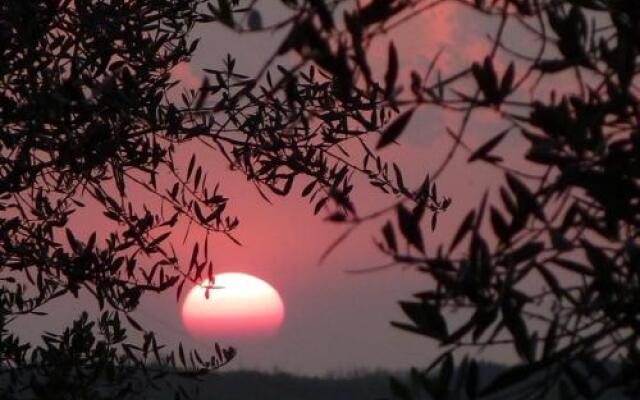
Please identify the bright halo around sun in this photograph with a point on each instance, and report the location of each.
(240, 306)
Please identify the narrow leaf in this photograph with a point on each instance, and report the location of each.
(134, 323)
(392, 71)
(483, 151)
(463, 230)
(410, 227)
(390, 237)
(394, 130)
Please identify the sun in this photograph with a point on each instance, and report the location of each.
(240, 306)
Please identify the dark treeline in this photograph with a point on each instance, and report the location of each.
(278, 385)
(258, 385)
(253, 385)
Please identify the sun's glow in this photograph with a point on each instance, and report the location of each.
(240, 306)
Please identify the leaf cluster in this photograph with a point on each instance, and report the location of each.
(550, 262)
(88, 116)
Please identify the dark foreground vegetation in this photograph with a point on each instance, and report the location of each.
(278, 385)
(253, 385)
(245, 385)
(87, 116)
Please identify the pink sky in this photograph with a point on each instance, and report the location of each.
(335, 320)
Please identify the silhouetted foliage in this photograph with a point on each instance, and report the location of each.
(550, 266)
(83, 115)
(86, 117)
(86, 114)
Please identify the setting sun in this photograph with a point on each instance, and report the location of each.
(240, 306)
